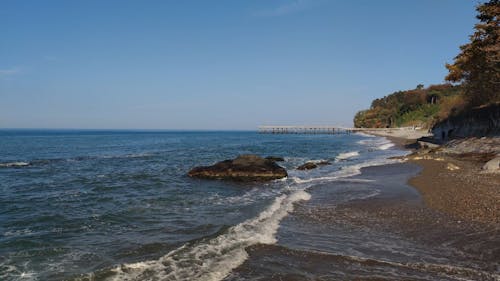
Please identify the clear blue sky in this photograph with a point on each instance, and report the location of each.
(217, 64)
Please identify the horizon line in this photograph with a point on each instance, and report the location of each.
(126, 129)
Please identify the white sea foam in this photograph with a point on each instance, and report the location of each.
(18, 232)
(309, 180)
(386, 146)
(213, 259)
(319, 161)
(379, 143)
(344, 172)
(357, 180)
(249, 197)
(347, 155)
(8, 271)
(365, 135)
(14, 164)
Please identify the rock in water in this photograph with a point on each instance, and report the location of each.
(275, 158)
(243, 168)
(307, 166)
(312, 165)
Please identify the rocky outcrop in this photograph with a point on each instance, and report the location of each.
(477, 122)
(243, 168)
(487, 146)
(492, 166)
(312, 165)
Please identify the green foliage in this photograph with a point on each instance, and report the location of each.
(418, 107)
(418, 117)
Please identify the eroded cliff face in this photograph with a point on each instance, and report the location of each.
(477, 122)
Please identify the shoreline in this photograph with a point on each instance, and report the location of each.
(391, 233)
(453, 185)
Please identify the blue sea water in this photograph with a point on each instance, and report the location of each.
(117, 205)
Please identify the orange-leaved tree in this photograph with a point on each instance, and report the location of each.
(478, 63)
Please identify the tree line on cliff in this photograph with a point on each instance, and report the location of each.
(473, 80)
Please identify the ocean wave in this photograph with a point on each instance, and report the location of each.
(345, 172)
(365, 142)
(379, 143)
(14, 164)
(123, 156)
(133, 155)
(37, 162)
(18, 232)
(8, 271)
(365, 135)
(347, 155)
(213, 259)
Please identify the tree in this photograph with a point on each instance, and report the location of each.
(478, 63)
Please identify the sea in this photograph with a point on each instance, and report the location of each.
(118, 205)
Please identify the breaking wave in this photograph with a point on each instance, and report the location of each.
(377, 143)
(214, 258)
(14, 164)
(347, 155)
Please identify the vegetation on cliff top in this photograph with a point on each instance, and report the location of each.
(419, 107)
(475, 70)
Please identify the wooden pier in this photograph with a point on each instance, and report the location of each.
(331, 130)
(305, 130)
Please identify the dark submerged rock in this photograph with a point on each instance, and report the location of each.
(312, 165)
(243, 168)
(275, 158)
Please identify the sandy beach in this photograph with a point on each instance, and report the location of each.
(462, 192)
(452, 183)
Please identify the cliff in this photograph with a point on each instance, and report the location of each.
(477, 122)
